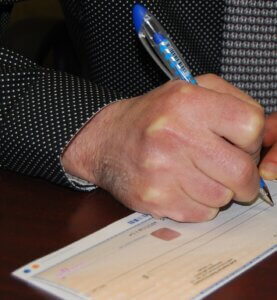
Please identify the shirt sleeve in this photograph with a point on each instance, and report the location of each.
(5, 10)
(41, 110)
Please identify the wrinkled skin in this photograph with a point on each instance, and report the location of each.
(179, 151)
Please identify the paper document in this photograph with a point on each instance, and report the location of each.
(139, 257)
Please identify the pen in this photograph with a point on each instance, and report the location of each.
(161, 48)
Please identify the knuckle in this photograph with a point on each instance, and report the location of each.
(256, 122)
(204, 214)
(179, 90)
(195, 215)
(175, 85)
(222, 197)
(181, 216)
(159, 124)
(213, 77)
(244, 171)
(172, 89)
(149, 199)
(260, 116)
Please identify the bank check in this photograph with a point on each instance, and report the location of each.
(139, 257)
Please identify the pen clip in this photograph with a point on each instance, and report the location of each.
(146, 44)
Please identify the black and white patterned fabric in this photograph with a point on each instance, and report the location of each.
(249, 57)
(41, 110)
(116, 57)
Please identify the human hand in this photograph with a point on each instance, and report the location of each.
(268, 166)
(180, 151)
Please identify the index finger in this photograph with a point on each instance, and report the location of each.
(215, 83)
(218, 84)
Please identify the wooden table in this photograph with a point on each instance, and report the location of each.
(37, 218)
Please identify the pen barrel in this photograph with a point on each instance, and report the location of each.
(174, 61)
(168, 53)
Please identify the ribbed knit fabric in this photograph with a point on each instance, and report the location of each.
(249, 54)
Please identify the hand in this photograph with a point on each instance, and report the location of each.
(268, 166)
(180, 151)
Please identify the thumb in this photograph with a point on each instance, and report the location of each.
(268, 166)
(270, 134)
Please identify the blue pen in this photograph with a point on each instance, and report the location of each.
(161, 48)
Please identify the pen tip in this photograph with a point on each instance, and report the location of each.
(265, 194)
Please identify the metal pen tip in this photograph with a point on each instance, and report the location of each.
(264, 192)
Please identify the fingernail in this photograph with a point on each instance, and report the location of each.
(229, 195)
(269, 171)
(213, 213)
(186, 89)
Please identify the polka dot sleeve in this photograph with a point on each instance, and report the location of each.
(40, 111)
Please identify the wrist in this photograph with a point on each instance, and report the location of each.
(84, 155)
(75, 158)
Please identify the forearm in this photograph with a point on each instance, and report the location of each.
(41, 111)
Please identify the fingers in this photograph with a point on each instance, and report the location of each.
(179, 207)
(220, 85)
(268, 166)
(203, 189)
(270, 134)
(179, 151)
(186, 210)
(240, 123)
(204, 118)
(229, 166)
(237, 121)
(173, 187)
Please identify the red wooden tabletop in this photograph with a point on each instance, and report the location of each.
(37, 218)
